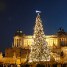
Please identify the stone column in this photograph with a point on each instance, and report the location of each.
(58, 65)
(6, 65)
(11, 65)
(18, 65)
(66, 65)
(3, 65)
(51, 65)
(46, 65)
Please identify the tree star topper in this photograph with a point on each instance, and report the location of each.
(38, 12)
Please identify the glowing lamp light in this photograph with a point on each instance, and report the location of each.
(38, 11)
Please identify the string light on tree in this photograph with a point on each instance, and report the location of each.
(39, 49)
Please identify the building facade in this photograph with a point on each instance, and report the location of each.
(25, 41)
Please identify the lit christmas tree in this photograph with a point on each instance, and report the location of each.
(39, 49)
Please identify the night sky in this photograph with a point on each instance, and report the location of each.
(20, 14)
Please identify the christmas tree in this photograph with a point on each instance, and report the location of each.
(39, 49)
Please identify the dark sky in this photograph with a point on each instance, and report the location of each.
(15, 14)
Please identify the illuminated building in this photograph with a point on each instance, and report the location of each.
(19, 52)
(25, 41)
(56, 42)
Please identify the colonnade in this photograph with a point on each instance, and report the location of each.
(35, 65)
